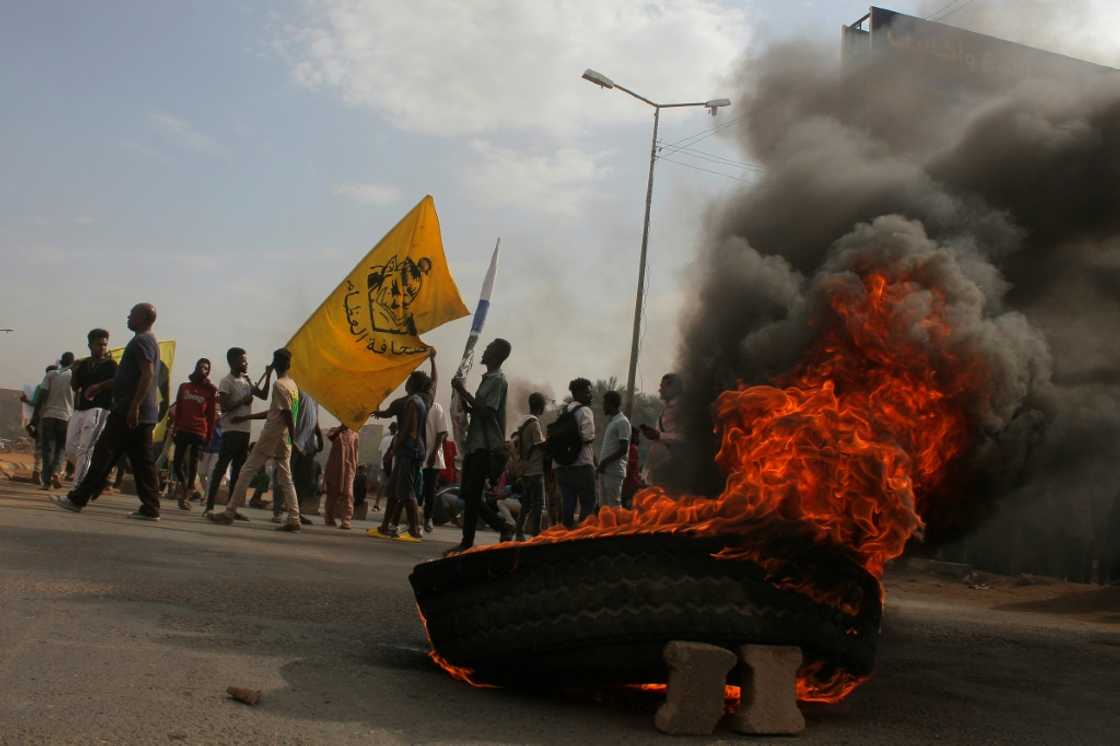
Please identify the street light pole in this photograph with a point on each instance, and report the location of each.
(713, 105)
(631, 376)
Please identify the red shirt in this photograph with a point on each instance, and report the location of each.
(196, 408)
(633, 468)
(450, 475)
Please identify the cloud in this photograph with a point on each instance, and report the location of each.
(369, 194)
(468, 68)
(183, 134)
(145, 151)
(559, 183)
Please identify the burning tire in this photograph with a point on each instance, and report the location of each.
(601, 610)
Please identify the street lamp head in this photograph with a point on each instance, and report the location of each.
(598, 78)
(716, 103)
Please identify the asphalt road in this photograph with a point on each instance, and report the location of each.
(119, 631)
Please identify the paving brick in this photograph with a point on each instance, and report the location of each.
(694, 700)
(769, 691)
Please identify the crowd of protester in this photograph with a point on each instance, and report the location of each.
(93, 414)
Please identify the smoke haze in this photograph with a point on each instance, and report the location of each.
(999, 198)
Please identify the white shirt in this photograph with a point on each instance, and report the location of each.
(236, 388)
(615, 434)
(437, 423)
(58, 402)
(383, 448)
(586, 421)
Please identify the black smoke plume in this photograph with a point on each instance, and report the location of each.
(1003, 195)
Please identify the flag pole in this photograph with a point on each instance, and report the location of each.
(458, 411)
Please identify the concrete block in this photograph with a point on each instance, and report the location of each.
(694, 700)
(769, 691)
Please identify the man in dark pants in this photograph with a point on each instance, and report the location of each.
(135, 411)
(54, 409)
(577, 479)
(235, 395)
(486, 432)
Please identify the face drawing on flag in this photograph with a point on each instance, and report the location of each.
(392, 288)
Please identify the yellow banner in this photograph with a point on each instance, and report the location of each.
(363, 341)
(167, 357)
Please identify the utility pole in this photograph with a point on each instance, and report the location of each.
(712, 105)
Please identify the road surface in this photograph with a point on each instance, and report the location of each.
(119, 631)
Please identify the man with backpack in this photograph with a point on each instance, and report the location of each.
(529, 448)
(570, 444)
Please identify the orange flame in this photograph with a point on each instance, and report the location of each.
(848, 449)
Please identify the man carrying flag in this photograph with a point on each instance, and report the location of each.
(363, 340)
(486, 435)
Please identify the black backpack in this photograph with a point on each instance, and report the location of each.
(564, 439)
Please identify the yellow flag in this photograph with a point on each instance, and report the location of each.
(167, 357)
(363, 340)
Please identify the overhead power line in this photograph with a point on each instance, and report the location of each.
(716, 159)
(698, 136)
(705, 170)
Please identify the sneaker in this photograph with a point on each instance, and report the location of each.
(222, 517)
(56, 482)
(276, 518)
(142, 516)
(345, 526)
(519, 537)
(407, 536)
(184, 505)
(305, 521)
(377, 533)
(330, 522)
(63, 501)
(240, 517)
(45, 487)
(507, 535)
(289, 526)
(207, 513)
(255, 503)
(428, 527)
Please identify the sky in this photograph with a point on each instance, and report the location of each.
(230, 162)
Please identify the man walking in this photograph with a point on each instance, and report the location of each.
(33, 426)
(275, 441)
(409, 451)
(384, 464)
(340, 480)
(614, 451)
(134, 413)
(55, 407)
(92, 381)
(235, 396)
(308, 441)
(531, 449)
(486, 434)
(435, 434)
(196, 413)
(576, 479)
